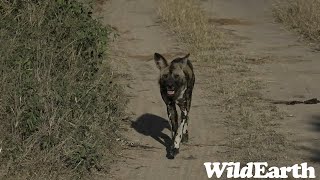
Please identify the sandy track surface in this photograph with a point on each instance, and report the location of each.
(140, 37)
(292, 73)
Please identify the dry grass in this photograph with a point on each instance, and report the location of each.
(190, 24)
(302, 16)
(59, 104)
(231, 86)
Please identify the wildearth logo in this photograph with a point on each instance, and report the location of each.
(258, 170)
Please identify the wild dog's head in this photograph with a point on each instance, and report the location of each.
(172, 77)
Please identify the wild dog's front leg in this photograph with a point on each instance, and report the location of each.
(173, 116)
(182, 132)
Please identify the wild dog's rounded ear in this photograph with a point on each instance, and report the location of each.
(185, 59)
(160, 61)
(187, 56)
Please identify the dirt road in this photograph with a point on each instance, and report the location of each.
(292, 69)
(140, 37)
(292, 74)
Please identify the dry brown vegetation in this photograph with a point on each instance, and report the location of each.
(59, 104)
(250, 120)
(301, 16)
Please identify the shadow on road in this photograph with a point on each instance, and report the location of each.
(315, 122)
(153, 125)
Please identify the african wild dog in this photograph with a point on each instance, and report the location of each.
(176, 85)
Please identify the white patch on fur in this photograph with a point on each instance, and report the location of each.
(178, 137)
(182, 93)
(185, 112)
(185, 128)
(172, 134)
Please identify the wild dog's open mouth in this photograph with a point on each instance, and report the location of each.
(170, 92)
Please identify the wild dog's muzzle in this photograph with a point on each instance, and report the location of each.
(170, 91)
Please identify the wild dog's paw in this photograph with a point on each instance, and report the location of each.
(172, 153)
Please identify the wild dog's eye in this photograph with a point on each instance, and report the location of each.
(165, 76)
(176, 76)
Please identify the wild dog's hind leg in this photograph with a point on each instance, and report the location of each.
(185, 133)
